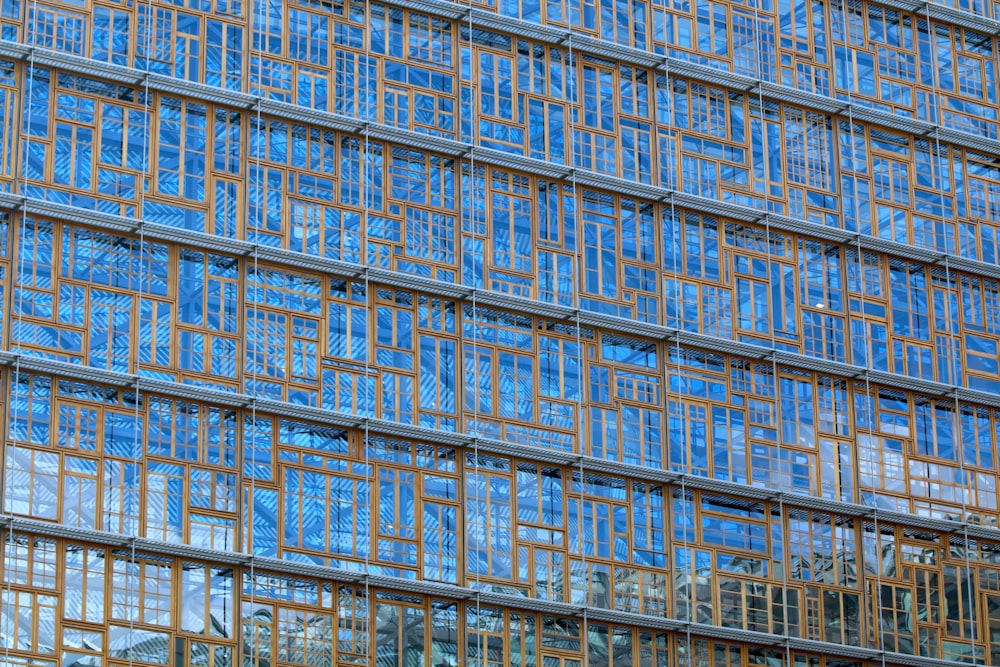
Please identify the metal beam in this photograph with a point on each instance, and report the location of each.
(459, 149)
(584, 44)
(32, 364)
(435, 589)
(494, 299)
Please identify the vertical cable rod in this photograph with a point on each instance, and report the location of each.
(145, 276)
(366, 173)
(10, 543)
(258, 143)
(577, 287)
(476, 432)
(686, 463)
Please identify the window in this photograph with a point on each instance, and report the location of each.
(182, 149)
(496, 86)
(326, 513)
(489, 511)
(141, 590)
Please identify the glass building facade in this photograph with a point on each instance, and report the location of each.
(575, 333)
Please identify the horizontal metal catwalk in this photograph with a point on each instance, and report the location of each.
(608, 49)
(751, 85)
(779, 223)
(32, 364)
(585, 44)
(555, 37)
(463, 150)
(464, 593)
(495, 299)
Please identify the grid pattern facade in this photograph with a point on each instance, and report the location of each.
(576, 333)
